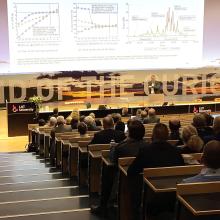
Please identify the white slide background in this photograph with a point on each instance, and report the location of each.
(58, 35)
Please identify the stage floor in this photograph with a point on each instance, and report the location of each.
(13, 144)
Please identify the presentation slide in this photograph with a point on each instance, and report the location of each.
(57, 35)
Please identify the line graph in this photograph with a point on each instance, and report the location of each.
(95, 21)
(37, 21)
(170, 22)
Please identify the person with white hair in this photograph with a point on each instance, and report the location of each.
(61, 127)
(52, 122)
(90, 122)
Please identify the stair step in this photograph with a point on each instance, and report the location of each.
(30, 177)
(36, 185)
(44, 206)
(42, 194)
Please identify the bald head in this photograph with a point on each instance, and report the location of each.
(211, 155)
(151, 112)
(108, 122)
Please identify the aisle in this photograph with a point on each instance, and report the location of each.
(32, 189)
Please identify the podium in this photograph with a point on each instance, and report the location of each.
(19, 115)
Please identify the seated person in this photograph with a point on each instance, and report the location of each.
(174, 126)
(144, 115)
(159, 153)
(109, 133)
(60, 128)
(216, 131)
(211, 161)
(52, 122)
(152, 118)
(120, 126)
(199, 122)
(55, 112)
(41, 122)
(82, 129)
(116, 117)
(74, 123)
(127, 148)
(192, 143)
(90, 122)
(125, 112)
(130, 146)
(209, 119)
(68, 120)
(138, 115)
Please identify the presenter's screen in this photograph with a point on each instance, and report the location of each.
(57, 35)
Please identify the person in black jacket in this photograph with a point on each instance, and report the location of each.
(127, 148)
(105, 136)
(130, 147)
(157, 154)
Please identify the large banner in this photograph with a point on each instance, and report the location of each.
(116, 88)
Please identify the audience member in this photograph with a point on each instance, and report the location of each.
(174, 126)
(192, 143)
(60, 128)
(209, 119)
(152, 118)
(82, 118)
(138, 115)
(211, 161)
(157, 154)
(41, 122)
(52, 122)
(74, 123)
(199, 122)
(131, 145)
(82, 129)
(116, 117)
(125, 112)
(120, 126)
(90, 122)
(68, 120)
(127, 148)
(92, 115)
(105, 136)
(216, 131)
(144, 115)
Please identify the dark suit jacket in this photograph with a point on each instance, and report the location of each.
(127, 148)
(151, 119)
(105, 136)
(156, 154)
(157, 87)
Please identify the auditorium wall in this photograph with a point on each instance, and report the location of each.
(117, 88)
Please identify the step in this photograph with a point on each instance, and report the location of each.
(83, 214)
(36, 185)
(24, 165)
(31, 177)
(12, 161)
(26, 171)
(42, 194)
(44, 206)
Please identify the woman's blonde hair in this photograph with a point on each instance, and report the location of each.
(190, 138)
